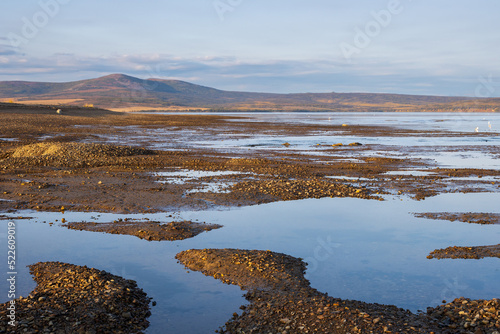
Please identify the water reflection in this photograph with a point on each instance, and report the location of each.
(476, 150)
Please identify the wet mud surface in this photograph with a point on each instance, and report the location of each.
(281, 300)
(151, 231)
(75, 299)
(101, 161)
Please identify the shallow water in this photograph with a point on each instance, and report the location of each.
(410, 172)
(367, 250)
(462, 122)
(475, 149)
(181, 176)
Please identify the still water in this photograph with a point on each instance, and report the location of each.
(457, 146)
(374, 251)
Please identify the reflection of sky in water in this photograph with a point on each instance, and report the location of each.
(462, 159)
(182, 176)
(375, 254)
(433, 148)
(456, 122)
(462, 122)
(410, 172)
(306, 142)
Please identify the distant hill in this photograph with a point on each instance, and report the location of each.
(126, 93)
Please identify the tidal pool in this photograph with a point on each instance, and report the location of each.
(356, 249)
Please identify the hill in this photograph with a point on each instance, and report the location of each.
(125, 93)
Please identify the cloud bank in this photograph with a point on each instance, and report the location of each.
(231, 73)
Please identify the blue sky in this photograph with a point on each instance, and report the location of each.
(446, 47)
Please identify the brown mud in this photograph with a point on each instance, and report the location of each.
(150, 230)
(75, 299)
(281, 300)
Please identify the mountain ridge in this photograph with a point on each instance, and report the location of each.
(121, 92)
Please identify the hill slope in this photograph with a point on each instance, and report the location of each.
(122, 92)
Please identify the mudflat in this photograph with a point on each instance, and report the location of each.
(87, 159)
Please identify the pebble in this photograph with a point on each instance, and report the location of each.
(70, 299)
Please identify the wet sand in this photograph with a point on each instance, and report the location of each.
(51, 162)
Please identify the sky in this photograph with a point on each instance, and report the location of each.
(446, 47)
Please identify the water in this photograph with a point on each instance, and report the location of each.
(458, 146)
(439, 121)
(410, 172)
(182, 176)
(374, 251)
